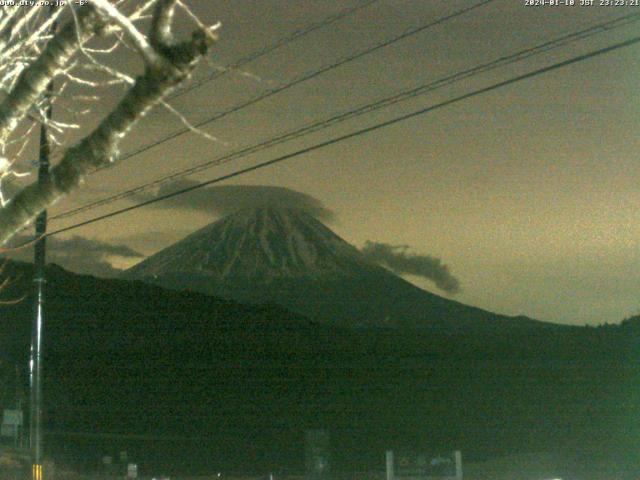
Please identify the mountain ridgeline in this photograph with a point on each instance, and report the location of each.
(286, 257)
(272, 325)
(215, 385)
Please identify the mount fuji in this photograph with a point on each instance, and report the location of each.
(285, 256)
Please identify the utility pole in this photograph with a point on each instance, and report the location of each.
(39, 280)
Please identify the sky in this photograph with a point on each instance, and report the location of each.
(527, 193)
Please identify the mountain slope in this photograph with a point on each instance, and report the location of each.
(257, 244)
(127, 357)
(287, 257)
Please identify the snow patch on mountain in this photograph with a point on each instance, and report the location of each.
(259, 244)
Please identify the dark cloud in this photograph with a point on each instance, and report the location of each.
(78, 254)
(226, 199)
(399, 260)
(150, 241)
(86, 246)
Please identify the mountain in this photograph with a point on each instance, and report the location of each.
(198, 384)
(262, 245)
(287, 257)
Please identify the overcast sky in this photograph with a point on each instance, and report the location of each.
(529, 193)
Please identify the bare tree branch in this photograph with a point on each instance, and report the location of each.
(172, 65)
(140, 42)
(161, 23)
(34, 80)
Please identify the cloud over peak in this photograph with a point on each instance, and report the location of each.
(226, 199)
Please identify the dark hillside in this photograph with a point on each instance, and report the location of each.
(245, 381)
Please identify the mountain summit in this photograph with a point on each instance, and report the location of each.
(257, 245)
(287, 257)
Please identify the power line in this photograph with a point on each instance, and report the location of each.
(362, 131)
(370, 107)
(304, 78)
(274, 46)
(260, 53)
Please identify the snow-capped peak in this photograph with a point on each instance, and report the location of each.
(259, 244)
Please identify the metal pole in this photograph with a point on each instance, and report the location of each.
(39, 280)
(389, 462)
(35, 424)
(458, 457)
